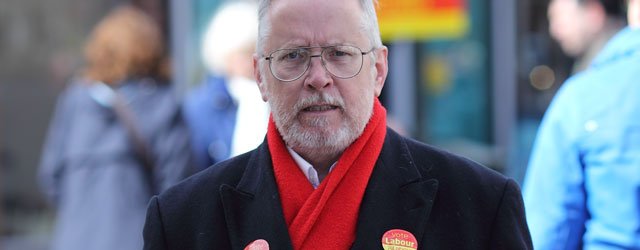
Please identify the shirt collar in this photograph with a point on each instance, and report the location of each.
(307, 168)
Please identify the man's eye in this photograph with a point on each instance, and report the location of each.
(340, 52)
(292, 56)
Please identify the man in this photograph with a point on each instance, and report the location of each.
(330, 175)
(582, 185)
(582, 27)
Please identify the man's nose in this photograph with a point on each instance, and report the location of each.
(318, 77)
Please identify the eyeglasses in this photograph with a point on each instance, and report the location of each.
(341, 61)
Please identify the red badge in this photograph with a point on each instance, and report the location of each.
(397, 239)
(258, 245)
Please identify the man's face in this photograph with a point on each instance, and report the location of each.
(319, 111)
(569, 25)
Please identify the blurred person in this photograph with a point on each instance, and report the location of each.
(92, 168)
(330, 174)
(225, 113)
(582, 187)
(582, 27)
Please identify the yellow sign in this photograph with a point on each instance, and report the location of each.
(423, 19)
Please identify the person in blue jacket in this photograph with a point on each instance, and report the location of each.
(225, 114)
(582, 188)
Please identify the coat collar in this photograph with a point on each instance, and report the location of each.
(398, 196)
(625, 43)
(252, 208)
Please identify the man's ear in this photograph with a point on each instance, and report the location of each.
(382, 69)
(258, 76)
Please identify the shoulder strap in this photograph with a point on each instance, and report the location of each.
(110, 98)
(128, 120)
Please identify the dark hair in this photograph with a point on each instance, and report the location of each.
(614, 8)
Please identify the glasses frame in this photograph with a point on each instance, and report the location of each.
(324, 48)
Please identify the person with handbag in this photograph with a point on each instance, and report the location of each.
(117, 137)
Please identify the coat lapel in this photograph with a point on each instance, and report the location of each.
(397, 196)
(252, 208)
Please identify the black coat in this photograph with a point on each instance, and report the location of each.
(446, 201)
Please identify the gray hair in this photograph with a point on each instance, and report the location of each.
(369, 23)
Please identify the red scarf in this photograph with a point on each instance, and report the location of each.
(325, 218)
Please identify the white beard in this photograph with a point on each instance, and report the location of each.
(313, 137)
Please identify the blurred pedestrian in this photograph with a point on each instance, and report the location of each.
(225, 114)
(116, 137)
(582, 188)
(582, 27)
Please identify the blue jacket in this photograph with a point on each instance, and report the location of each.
(210, 113)
(91, 172)
(582, 187)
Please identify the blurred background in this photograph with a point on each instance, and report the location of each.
(472, 76)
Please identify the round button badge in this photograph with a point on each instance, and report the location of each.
(398, 239)
(258, 245)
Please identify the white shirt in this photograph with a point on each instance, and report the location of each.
(252, 117)
(307, 169)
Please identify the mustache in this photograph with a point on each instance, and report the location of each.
(319, 98)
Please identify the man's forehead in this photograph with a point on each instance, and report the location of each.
(324, 10)
(312, 3)
(297, 23)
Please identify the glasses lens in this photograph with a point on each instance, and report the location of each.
(343, 61)
(289, 64)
